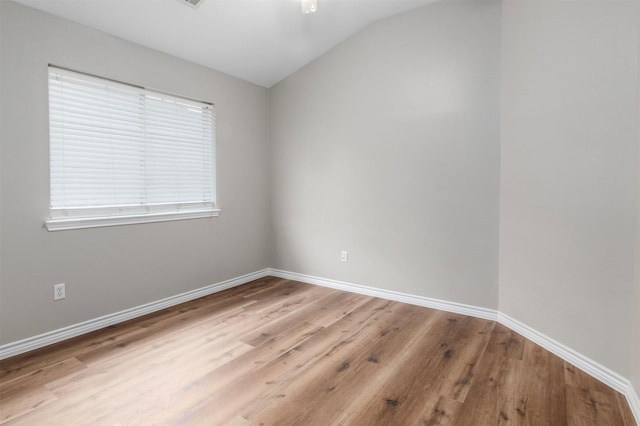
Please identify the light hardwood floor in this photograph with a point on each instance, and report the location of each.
(279, 352)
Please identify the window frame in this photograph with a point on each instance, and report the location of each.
(78, 217)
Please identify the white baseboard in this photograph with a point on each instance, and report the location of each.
(600, 372)
(591, 367)
(31, 343)
(633, 398)
(442, 305)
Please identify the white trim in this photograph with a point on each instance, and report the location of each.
(600, 372)
(589, 366)
(427, 302)
(55, 336)
(633, 398)
(96, 222)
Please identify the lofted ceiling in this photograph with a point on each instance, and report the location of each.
(261, 41)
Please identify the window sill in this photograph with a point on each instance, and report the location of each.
(97, 222)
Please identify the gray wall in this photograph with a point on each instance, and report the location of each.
(110, 269)
(568, 160)
(634, 374)
(1, 139)
(387, 146)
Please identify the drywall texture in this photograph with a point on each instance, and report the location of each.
(110, 269)
(567, 172)
(387, 147)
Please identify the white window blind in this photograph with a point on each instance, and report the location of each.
(123, 154)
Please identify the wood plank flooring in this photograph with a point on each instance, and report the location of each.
(280, 352)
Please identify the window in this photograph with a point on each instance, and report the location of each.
(122, 154)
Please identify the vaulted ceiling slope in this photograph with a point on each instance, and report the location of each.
(261, 41)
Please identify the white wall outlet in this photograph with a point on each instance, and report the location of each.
(344, 256)
(59, 292)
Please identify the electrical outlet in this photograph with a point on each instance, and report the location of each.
(59, 292)
(344, 256)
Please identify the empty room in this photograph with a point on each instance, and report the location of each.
(320, 212)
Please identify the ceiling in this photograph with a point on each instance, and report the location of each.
(261, 41)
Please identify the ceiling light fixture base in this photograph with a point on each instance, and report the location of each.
(309, 6)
